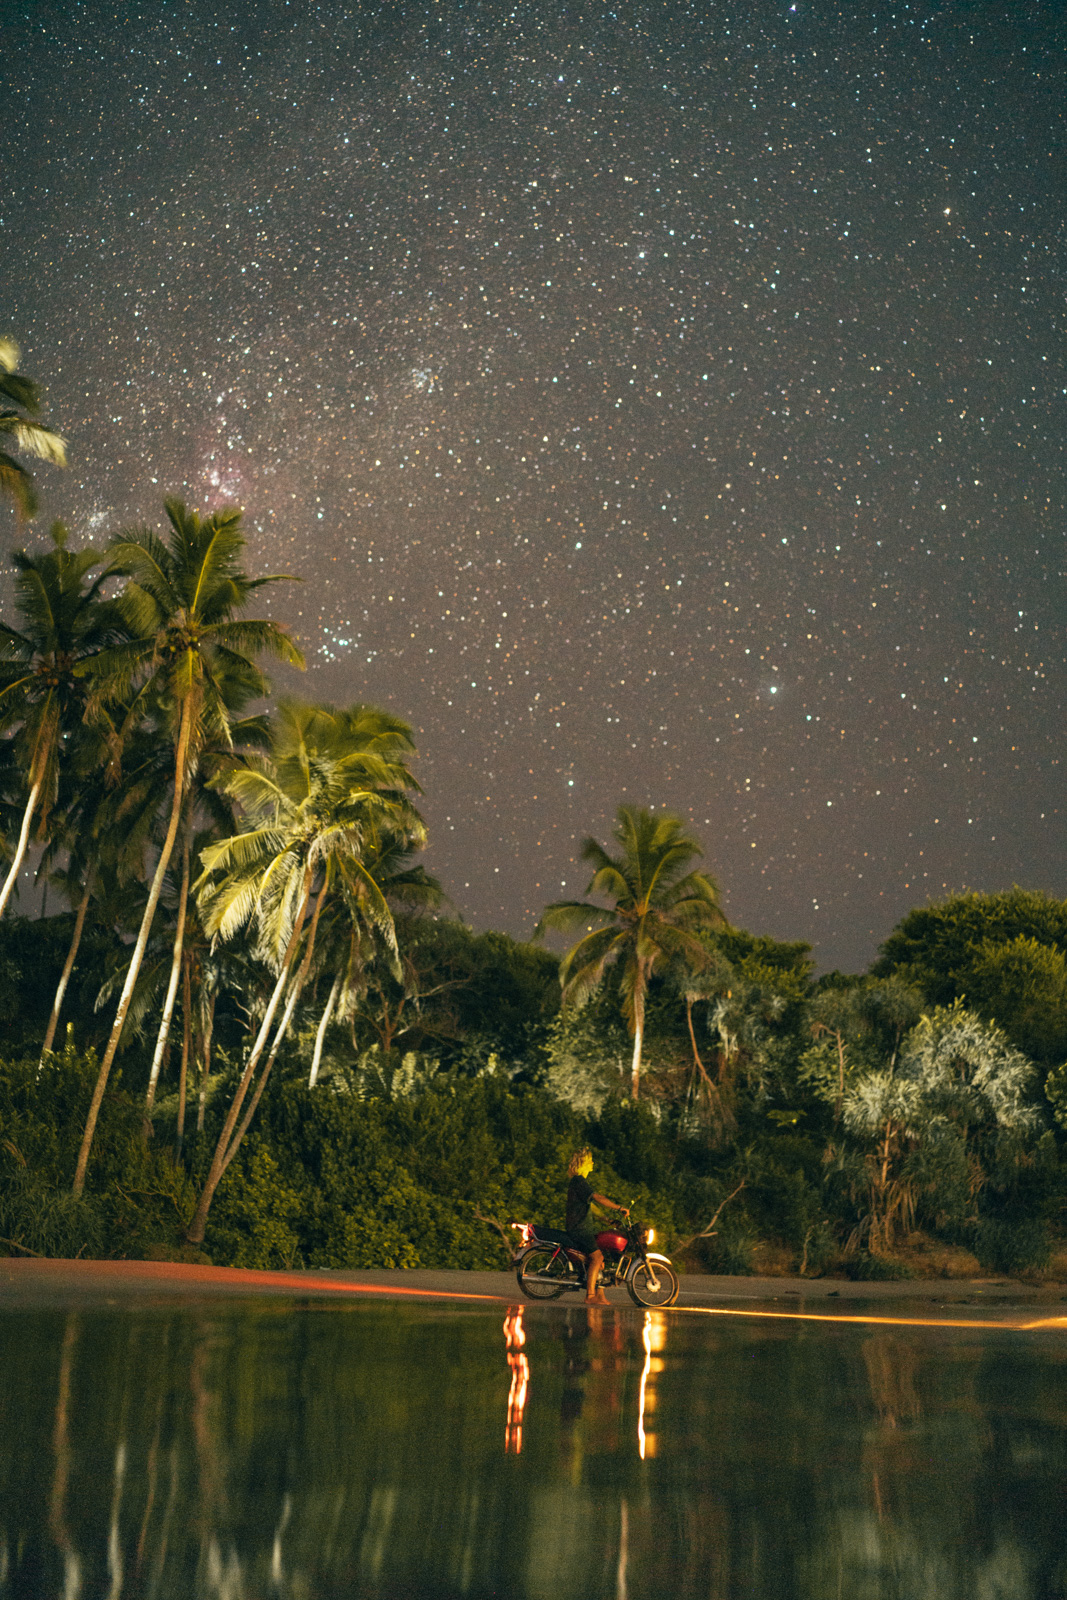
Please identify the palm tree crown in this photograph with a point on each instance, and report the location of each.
(186, 651)
(65, 625)
(322, 809)
(657, 906)
(179, 605)
(20, 405)
(333, 789)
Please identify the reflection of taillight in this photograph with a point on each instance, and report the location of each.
(515, 1335)
(525, 1231)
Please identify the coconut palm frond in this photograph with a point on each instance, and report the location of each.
(655, 902)
(35, 438)
(261, 638)
(567, 916)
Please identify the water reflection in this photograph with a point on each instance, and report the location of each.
(515, 1338)
(312, 1453)
(653, 1338)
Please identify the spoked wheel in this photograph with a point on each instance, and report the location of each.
(653, 1283)
(544, 1273)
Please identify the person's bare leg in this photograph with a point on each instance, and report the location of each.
(594, 1295)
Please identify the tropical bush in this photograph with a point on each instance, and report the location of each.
(276, 1042)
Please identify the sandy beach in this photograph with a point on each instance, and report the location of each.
(28, 1283)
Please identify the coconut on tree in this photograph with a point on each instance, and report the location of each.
(181, 605)
(658, 904)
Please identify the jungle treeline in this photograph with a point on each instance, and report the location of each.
(256, 1032)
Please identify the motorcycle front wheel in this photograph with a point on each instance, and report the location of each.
(640, 1284)
(544, 1273)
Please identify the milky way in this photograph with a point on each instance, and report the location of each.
(661, 403)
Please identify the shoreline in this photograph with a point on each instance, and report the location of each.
(28, 1284)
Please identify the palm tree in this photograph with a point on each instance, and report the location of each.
(65, 624)
(657, 908)
(334, 787)
(205, 796)
(103, 827)
(355, 953)
(79, 830)
(180, 606)
(20, 405)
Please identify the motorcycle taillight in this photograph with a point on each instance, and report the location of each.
(525, 1231)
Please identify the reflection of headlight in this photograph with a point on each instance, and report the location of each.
(650, 1236)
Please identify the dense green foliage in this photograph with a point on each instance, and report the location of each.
(411, 1155)
(140, 1194)
(304, 1042)
(1004, 954)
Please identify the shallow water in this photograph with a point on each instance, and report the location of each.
(256, 1449)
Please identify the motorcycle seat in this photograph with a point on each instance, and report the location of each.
(553, 1236)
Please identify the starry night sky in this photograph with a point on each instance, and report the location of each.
(663, 403)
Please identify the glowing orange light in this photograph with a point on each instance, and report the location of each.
(515, 1337)
(525, 1232)
(891, 1322)
(653, 1325)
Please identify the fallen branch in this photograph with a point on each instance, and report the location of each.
(708, 1232)
(23, 1247)
(509, 1243)
(153, 1194)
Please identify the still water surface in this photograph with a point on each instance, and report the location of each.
(260, 1449)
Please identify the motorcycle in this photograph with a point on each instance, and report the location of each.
(547, 1264)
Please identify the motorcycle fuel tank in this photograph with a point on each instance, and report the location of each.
(615, 1242)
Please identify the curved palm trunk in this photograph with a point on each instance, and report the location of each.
(250, 1110)
(640, 984)
(68, 968)
(692, 1036)
(205, 1063)
(172, 985)
(635, 1070)
(320, 1035)
(295, 991)
(138, 953)
(187, 1034)
(22, 846)
(195, 1231)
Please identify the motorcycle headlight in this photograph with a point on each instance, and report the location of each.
(650, 1235)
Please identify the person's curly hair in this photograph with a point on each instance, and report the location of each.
(576, 1161)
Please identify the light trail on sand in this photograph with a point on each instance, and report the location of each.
(110, 1276)
(891, 1322)
(1042, 1323)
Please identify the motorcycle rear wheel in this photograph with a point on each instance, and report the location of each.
(544, 1273)
(641, 1291)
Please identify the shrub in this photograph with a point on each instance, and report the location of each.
(37, 1219)
(136, 1195)
(867, 1267)
(730, 1250)
(1013, 1245)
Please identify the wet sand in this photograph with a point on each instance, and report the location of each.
(27, 1283)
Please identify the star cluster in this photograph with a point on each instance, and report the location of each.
(661, 403)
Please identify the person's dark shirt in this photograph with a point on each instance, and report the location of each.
(579, 1194)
